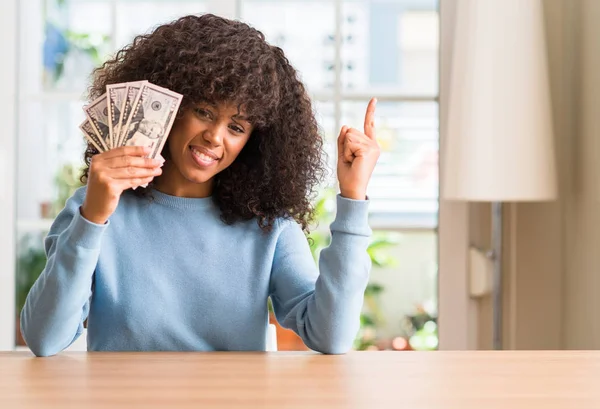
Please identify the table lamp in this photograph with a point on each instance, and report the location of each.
(499, 136)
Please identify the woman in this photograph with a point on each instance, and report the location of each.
(189, 262)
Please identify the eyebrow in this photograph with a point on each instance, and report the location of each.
(238, 117)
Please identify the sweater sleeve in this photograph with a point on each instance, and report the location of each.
(322, 305)
(58, 303)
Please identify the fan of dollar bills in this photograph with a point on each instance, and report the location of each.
(131, 114)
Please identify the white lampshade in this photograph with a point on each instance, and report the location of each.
(499, 140)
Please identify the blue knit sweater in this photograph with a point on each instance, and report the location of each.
(168, 275)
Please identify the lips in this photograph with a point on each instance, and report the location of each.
(200, 150)
(202, 156)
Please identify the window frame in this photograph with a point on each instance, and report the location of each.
(9, 120)
(455, 309)
(399, 220)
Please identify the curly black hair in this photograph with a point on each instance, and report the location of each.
(212, 59)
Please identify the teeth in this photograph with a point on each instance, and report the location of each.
(203, 156)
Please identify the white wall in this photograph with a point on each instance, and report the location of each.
(8, 75)
(536, 256)
(553, 249)
(582, 244)
(556, 265)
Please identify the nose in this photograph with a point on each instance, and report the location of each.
(215, 134)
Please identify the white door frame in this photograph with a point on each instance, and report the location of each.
(457, 311)
(8, 119)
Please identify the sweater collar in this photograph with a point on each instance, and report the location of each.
(184, 203)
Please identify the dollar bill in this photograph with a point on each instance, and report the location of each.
(131, 96)
(97, 113)
(117, 94)
(151, 118)
(90, 135)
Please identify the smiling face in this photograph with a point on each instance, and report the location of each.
(203, 142)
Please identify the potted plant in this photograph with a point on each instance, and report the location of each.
(31, 257)
(421, 327)
(30, 263)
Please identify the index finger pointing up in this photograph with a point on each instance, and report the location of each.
(370, 119)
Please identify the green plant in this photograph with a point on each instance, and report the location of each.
(421, 329)
(371, 316)
(61, 41)
(66, 183)
(30, 263)
(31, 257)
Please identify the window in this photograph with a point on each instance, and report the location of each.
(346, 52)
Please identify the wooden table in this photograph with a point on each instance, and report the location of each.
(412, 380)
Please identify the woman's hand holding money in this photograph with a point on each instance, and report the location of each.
(113, 172)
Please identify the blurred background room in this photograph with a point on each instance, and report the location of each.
(432, 284)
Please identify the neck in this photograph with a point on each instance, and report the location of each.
(172, 182)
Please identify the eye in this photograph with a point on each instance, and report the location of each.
(236, 128)
(203, 113)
